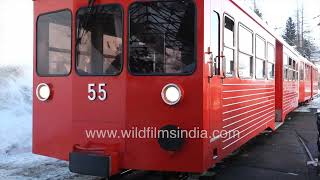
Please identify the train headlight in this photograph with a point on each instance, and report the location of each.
(43, 92)
(171, 94)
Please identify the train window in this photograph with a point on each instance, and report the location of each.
(301, 71)
(270, 71)
(215, 41)
(292, 69)
(245, 52)
(271, 53)
(289, 74)
(162, 38)
(229, 54)
(285, 73)
(228, 32)
(54, 44)
(306, 72)
(99, 40)
(285, 60)
(229, 45)
(290, 62)
(260, 47)
(271, 61)
(215, 32)
(293, 75)
(293, 64)
(260, 57)
(285, 67)
(260, 69)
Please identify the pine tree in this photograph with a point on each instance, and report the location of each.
(290, 32)
(307, 49)
(257, 11)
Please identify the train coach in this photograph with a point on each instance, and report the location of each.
(120, 65)
(308, 80)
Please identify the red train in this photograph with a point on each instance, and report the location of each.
(120, 65)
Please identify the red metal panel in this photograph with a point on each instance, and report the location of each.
(279, 81)
(290, 96)
(302, 95)
(52, 120)
(308, 88)
(248, 106)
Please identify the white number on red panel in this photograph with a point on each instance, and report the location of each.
(101, 94)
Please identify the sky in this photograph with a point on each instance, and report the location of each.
(16, 32)
(16, 27)
(276, 13)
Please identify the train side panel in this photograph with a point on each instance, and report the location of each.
(248, 103)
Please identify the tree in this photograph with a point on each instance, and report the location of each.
(307, 48)
(290, 32)
(257, 11)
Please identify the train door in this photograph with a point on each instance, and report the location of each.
(98, 84)
(213, 62)
(52, 80)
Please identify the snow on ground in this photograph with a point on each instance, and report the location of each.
(29, 166)
(16, 159)
(15, 109)
(312, 104)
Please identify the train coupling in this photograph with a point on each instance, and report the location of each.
(94, 161)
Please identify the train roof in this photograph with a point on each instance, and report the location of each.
(265, 26)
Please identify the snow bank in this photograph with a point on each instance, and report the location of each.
(15, 109)
(315, 103)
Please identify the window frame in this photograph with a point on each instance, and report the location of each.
(71, 44)
(306, 77)
(76, 48)
(234, 48)
(252, 66)
(264, 60)
(196, 61)
(301, 71)
(217, 68)
(269, 62)
(285, 66)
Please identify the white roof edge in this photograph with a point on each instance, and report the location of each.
(268, 28)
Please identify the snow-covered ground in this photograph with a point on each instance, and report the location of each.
(28, 166)
(15, 109)
(313, 104)
(16, 159)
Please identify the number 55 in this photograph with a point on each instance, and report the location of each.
(93, 94)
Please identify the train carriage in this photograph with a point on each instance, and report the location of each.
(304, 80)
(123, 65)
(314, 80)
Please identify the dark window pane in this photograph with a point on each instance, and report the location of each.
(228, 32)
(162, 37)
(286, 74)
(270, 70)
(54, 44)
(99, 45)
